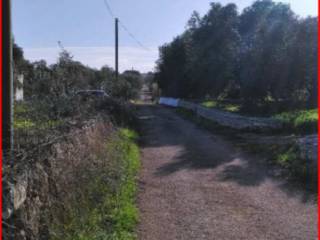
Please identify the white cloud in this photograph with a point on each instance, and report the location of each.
(96, 57)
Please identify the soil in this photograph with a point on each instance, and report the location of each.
(195, 184)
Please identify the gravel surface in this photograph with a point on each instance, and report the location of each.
(197, 185)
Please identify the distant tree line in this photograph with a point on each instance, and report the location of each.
(266, 52)
(67, 76)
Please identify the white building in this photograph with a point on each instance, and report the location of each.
(19, 88)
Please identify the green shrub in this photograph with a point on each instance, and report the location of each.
(209, 104)
(291, 160)
(107, 206)
(303, 121)
(230, 107)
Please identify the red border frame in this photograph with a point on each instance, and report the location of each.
(1, 79)
(318, 122)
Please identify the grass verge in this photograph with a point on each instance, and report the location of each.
(295, 121)
(230, 107)
(106, 206)
(304, 121)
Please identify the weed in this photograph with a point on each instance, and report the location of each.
(106, 207)
(222, 105)
(210, 104)
(299, 121)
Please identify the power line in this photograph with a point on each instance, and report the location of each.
(124, 27)
(132, 36)
(108, 8)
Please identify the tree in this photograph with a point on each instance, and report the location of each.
(267, 29)
(171, 68)
(202, 60)
(267, 52)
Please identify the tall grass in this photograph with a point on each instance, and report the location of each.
(104, 206)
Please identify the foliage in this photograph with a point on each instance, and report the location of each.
(305, 120)
(291, 160)
(83, 160)
(295, 120)
(265, 52)
(230, 107)
(27, 117)
(67, 76)
(86, 165)
(285, 158)
(108, 210)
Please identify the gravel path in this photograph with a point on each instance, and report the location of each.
(196, 185)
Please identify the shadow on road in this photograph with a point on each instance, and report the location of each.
(195, 148)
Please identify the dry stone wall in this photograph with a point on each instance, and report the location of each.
(308, 146)
(237, 121)
(226, 119)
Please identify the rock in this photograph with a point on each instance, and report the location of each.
(308, 146)
(15, 194)
(20, 191)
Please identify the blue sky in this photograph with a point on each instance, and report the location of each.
(86, 29)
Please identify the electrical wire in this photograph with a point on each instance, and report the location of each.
(108, 7)
(132, 36)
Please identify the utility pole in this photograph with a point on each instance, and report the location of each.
(117, 48)
(7, 79)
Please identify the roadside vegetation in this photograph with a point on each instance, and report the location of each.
(295, 120)
(289, 159)
(76, 158)
(108, 201)
(230, 107)
(57, 82)
(87, 163)
(260, 62)
(304, 121)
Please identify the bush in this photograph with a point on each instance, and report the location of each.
(300, 121)
(101, 201)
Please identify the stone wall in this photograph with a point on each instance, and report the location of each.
(237, 121)
(35, 189)
(308, 146)
(228, 119)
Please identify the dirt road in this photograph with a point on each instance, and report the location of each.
(196, 185)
